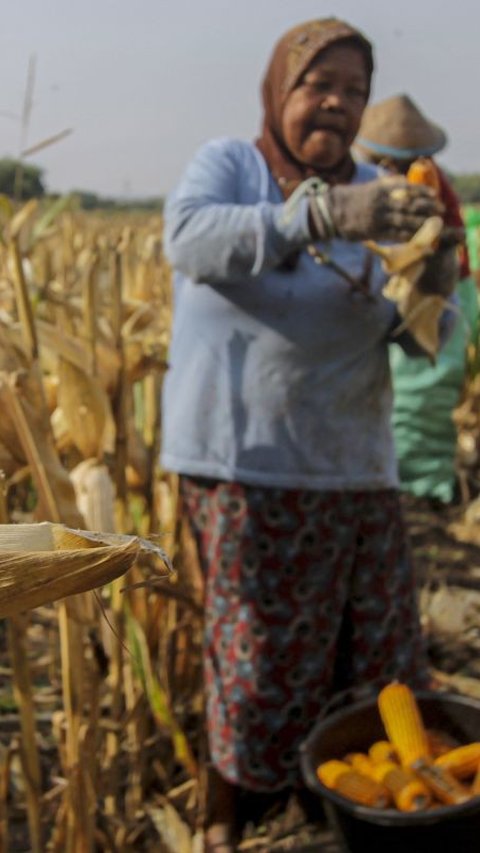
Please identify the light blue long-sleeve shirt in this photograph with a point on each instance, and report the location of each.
(277, 377)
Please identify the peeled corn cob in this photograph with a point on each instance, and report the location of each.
(423, 171)
(382, 751)
(361, 762)
(403, 723)
(330, 771)
(416, 770)
(462, 762)
(409, 793)
(341, 778)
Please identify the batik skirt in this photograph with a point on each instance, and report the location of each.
(306, 593)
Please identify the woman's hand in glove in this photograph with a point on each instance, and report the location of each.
(388, 209)
(441, 273)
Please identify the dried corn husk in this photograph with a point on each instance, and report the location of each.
(95, 494)
(174, 833)
(21, 225)
(402, 256)
(405, 263)
(61, 433)
(50, 385)
(40, 563)
(452, 611)
(86, 410)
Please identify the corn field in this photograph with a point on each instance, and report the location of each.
(101, 732)
(102, 739)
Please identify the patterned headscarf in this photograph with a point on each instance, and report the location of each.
(291, 57)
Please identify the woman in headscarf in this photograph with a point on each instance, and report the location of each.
(277, 410)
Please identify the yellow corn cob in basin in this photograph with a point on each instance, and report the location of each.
(341, 778)
(403, 723)
(382, 751)
(361, 762)
(409, 793)
(462, 762)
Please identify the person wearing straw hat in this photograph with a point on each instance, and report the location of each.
(393, 134)
(276, 414)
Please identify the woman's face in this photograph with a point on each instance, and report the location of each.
(322, 114)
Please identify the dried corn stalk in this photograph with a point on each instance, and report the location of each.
(21, 395)
(12, 358)
(145, 341)
(57, 342)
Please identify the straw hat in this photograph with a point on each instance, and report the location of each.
(396, 128)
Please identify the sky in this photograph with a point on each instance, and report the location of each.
(143, 83)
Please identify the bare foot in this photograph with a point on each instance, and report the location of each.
(218, 839)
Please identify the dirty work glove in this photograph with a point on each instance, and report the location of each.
(387, 209)
(441, 273)
(452, 236)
